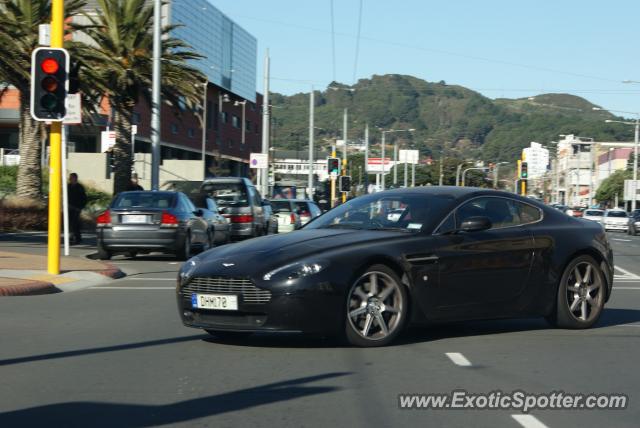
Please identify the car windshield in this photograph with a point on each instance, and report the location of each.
(380, 212)
(281, 206)
(227, 194)
(593, 213)
(616, 214)
(143, 200)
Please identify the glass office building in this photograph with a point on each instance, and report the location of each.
(230, 52)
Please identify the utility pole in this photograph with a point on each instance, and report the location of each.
(383, 159)
(405, 171)
(311, 137)
(458, 174)
(413, 175)
(395, 161)
(204, 128)
(263, 180)
(55, 155)
(635, 164)
(155, 95)
(344, 152)
(366, 158)
(441, 169)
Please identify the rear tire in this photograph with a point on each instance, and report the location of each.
(581, 295)
(185, 252)
(103, 254)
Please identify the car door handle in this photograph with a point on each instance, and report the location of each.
(429, 258)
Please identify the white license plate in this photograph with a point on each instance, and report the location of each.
(135, 218)
(214, 301)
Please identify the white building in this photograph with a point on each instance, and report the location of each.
(537, 158)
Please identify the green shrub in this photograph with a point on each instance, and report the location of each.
(8, 176)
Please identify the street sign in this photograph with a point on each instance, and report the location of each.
(134, 129)
(107, 140)
(258, 160)
(630, 190)
(409, 156)
(374, 165)
(74, 110)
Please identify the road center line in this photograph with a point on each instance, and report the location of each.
(132, 288)
(626, 288)
(528, 421)
(622, 240)
(458, 359)
(626, 272)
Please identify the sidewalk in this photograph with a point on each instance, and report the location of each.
(25, 274)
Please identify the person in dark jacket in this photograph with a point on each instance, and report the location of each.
(77, 201)
(133, 184)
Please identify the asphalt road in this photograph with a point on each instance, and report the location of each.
(118, 355)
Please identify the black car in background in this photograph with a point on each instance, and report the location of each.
(634, 222)
(454, 253)
(149, 221)
(219, 227)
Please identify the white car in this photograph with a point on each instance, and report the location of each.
(595, 215)
(616, 219)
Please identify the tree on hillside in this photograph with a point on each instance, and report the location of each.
(19, 20)
(120, 67)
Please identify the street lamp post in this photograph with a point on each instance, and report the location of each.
(471, 169)
(383, 149)
(204, 128)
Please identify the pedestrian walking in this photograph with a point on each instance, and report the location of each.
(133, 184)
(77, 201)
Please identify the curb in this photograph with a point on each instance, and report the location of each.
(28, 288)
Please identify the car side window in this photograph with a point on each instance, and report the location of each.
(253, 196)
(502, 212)
(315, 211)
(189, 205)
(211, 206)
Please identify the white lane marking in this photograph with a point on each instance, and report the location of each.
(528, 421)
(173, 263)
(628, 325)
(132, 288)
(148, 279)
(626, 288)
(622, 240)
(627, 274)
(458, 359)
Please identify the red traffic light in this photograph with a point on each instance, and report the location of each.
(50, 66)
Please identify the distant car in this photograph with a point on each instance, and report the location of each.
(307, 210)
(146, 221)
(270, 217)
(575, 211)
(592, 214)
(288, 218)
(634, 222)
(240, 202)
(219, 227)
(616, 219)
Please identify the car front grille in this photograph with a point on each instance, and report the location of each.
(223, 285)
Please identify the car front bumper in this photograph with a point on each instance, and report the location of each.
(612, 226)
(313, 308)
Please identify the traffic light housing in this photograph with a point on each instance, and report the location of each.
(333, 165)
(524, 173)
(345, 183)
(49, 84)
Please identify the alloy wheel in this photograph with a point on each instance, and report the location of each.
(375, 306)
(584, 292)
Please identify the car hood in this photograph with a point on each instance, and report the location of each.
(259, 255)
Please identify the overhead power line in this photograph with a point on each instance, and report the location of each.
(355, 62)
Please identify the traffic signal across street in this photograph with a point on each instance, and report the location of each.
(49, 84)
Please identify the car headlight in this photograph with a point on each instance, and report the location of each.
(637, 224)
(188, 269)
(296, 270)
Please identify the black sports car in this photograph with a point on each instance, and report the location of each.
(369, 267)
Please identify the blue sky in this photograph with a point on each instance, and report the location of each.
(501, 48)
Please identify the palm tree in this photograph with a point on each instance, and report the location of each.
(119, 65)
(19, 20)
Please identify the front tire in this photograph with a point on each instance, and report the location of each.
(376, 308)
(581, 295)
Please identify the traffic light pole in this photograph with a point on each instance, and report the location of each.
(55, 156)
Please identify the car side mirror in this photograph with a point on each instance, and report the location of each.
(475, 224)
(198, 212)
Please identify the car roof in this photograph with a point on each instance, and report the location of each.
(228, 180)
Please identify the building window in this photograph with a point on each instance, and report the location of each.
(215, 117)
(248, 125)
(224, 116)
(191, 133)
(230, 142)
(256, 128)
(135, 118)
(174, 128)
(252, 106)
(235, 121)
